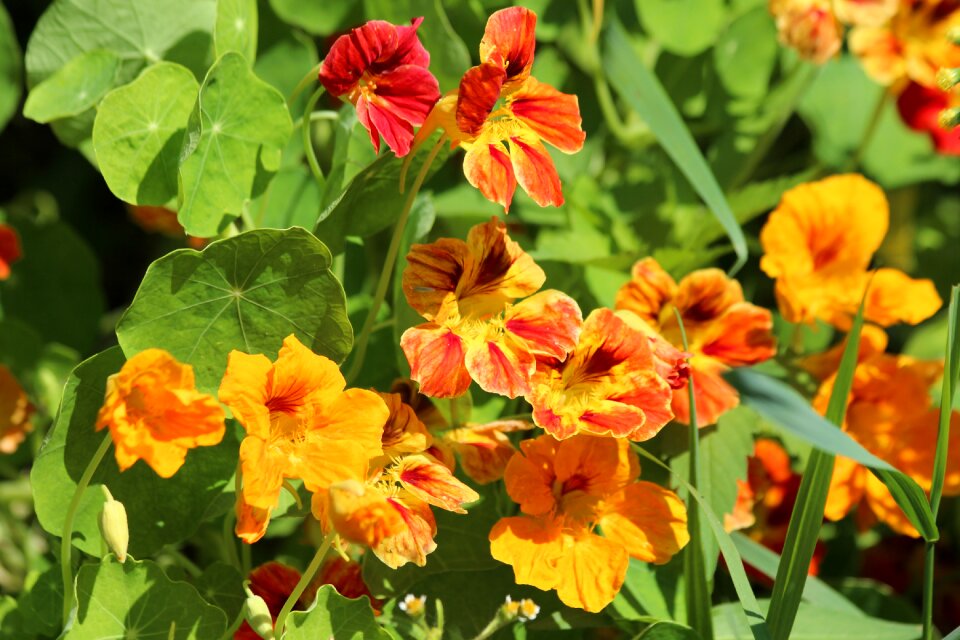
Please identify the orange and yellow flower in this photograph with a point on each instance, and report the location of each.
(570, 492)
(818, 244)
(300, 424)
(155, 413)
(9, 249)
(15, 412)
(889, 412)
(613, 383)
(475, 330)
(810, 27)
(504, 144)
(723, 330)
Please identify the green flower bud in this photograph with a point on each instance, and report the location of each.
(258, 614)
(113, 526)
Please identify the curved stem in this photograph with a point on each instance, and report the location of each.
(304, 83)
(308, 149)
(305, 580)
(360, 346)
(66, 540)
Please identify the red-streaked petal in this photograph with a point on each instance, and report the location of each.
(436, 357)
(402, 99)
(509, 41)
(433, 483)
(547, 323)
(502, 366)
(415, 541)
(714, 396)
(487, 167)
(479, 91)
(353, 53)
(432, 274)
(535, 170)
(409, 48)
(553, 115)
(742, 336)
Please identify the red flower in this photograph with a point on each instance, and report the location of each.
(920, 109)
(9, 250)
(382, 69)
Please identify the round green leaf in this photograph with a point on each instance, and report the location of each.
(9, 69)
(138, 600)
(684, 27)
(74, 88)
(247, 292)
(236, 28)
(319, 18)
(746, 54)
(334, 616)
(139, 130)
(237, 132)
(159, 511)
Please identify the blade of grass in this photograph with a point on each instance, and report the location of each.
(748, 601)
(642, 91)
(951, 373)
(807, 517)
(694, 562)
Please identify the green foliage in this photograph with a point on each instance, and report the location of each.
(672, 23)
(74, 88)
(333, 616)
(247, 293)
(236, 28)
(10, 69)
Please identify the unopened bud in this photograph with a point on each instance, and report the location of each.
(113, 526)
(949, 118)
(257, 614)
(948, 78)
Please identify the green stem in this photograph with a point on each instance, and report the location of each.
(317, 116)
(360, 346)
(928, 574)
(305, 580)
(66, 540)
(498, 622)
(454, 414)
(305, 131)
(307, 80)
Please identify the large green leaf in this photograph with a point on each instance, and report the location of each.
(248, 292)
(222, 585)
(238, 130)
(816, 623)
(746, 54)
(650, 592)
(137, 600)
(236, 28)
(641, 89)
(41, 602)
(333, 616)
(320, 18)
(667, 631)
(10, 69)
(684, 27)
(138, 133)
(159, 511)
(74, 88)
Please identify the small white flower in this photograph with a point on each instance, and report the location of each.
(413, 605)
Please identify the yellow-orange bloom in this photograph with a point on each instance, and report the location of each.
(15, 412)
(913, 45)
(723, 330)
(818, 244)
(300, 423)
(891, 414)
(155, 413)
(569, 492)
(466, 291)
(808, 26)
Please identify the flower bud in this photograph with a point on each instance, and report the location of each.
(113, 526)
(948, 78)
(808, 26)
(258, 613)
(949, 118)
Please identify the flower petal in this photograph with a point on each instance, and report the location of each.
(402, 100)
(714, 395)
(415, 540)
(434, 483)
(436, 356)
(353, 53)
(478, 93)
(532, 546)
(509, 41)
(301, 380)
(487, 167)
(403, 432)
(591, 571)
(552, 115)
(529, 476)
(9, 249)
(498, 272)
(15, 412)
(252, 522)
(433, 274)
(547, 323)
(648, 520)
(535, 170)
(362, 515)
(742, 336)
(484, 450)
(648, 292)
(503, 366)
(894, 297)
(847, 487)
(244, 390)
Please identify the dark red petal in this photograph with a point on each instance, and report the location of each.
(409, 48)
(920, 109)
(9, 249)
(354, 53)
(402, 99)
(479, 92)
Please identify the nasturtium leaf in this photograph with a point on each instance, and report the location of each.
(236, 28)
(650, 592)
(41, 602)
(247, 292)
(222, 586)
(352, 153)
(74, 88)
(684, 27)
(10, 69)
(334, 616)
(746, 54)
(139, 130)
(292, 199)
(319, 18)
(137, 600)
(238, 130)
(159, 511)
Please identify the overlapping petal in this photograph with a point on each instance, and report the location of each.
(16, 412)
(434, 483)
(436, 356)
(509, 42)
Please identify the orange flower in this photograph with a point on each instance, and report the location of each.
(466, 292)
(818, 244)
(891, 414)
(808, 26)
(569, 492)
(503, 144)
(15, 412)
(155, 413)
(868, 13)
(912, 46)
(611, 384)
(723, 330)
(9, 249)
(162, 220)
(300, 423)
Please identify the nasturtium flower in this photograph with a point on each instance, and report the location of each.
(9, 249)
(155, 413)
(300, 424)
(382, 69)
(571, 491)
(501, 116)
(274, 582)
(920, 108)
(723, 330)
(15, 412)
(810, 27)
(818, 244)
(475, 330)
(889, 412)
(911, 46)
(612, 383)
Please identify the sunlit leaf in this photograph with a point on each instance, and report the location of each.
(10, 69)
(334, 616)
(236, 28)
(77, 86)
